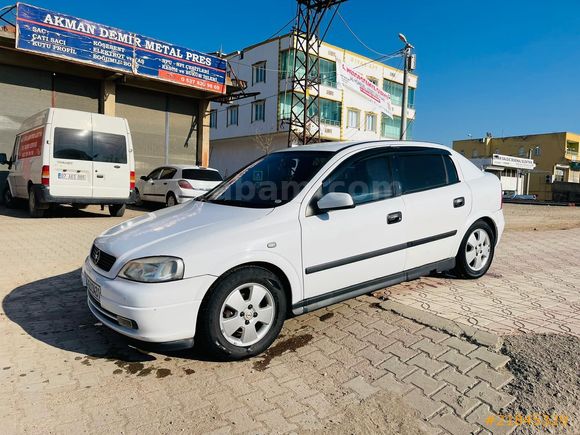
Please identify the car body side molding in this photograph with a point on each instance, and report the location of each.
(377, 253)
(352, 291)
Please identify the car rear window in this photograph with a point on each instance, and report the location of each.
(108, 147)
(75, 144)
(201, 175)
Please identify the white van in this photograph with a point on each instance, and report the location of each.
(63, 156)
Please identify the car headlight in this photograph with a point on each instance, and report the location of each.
(153, 269)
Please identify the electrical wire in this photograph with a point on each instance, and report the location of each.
(359, 39)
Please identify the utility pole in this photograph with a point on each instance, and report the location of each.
(409, 65)
(304, 125)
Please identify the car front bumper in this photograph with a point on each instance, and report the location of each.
(157, 315)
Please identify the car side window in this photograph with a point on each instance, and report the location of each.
(366, 178)
(452, 176)
(154, 174)
(167, 173)
(422, 171)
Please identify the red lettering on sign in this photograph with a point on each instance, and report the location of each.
(31, 143)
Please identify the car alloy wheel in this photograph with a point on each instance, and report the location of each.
(478, 249)
(247, 314)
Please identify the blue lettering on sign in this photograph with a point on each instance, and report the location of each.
(55, 34)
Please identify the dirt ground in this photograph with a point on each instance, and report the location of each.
(523, 217)
(547, 377)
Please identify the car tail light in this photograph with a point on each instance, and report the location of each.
(184, 184)
(45, 175)
(132, 180)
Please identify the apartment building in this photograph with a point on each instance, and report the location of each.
(556, 175)
(249, 128)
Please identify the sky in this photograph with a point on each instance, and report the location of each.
(508, 67)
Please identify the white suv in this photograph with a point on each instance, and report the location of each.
(292, 232)
(175, 184)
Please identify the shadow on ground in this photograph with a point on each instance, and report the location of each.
(54, 310)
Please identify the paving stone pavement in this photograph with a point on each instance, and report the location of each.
(61, 372)
(533, 285)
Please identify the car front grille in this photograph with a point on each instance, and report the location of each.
(101, 259)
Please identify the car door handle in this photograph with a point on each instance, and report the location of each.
(100, 176)
(165, 184)
(393, 218)
(459, 202)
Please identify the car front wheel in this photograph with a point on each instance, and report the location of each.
(9, 200)
(243, 315)
(476, 251)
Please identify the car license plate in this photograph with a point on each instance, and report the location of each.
(94, 289)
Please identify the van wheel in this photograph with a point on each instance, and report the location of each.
(243, 314)
(171, 200)
(476, 251)
(9, 200)
(33, 209)
(117, 210)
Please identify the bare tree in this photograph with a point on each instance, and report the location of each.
(264, 142)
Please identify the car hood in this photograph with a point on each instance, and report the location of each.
(164, 232)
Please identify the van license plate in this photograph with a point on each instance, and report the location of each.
(94, 289)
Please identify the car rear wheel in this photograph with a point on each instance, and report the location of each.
(9, 200)
(171, 200)
(243, 315)
(476, 251)
(117, 210)
(33, 209)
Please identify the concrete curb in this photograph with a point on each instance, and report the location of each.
(483, 338)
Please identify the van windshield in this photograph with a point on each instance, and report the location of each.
(270, 181)
(73, 144)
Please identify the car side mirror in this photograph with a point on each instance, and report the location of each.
(144, 177)
(3, 159)
(335, 201)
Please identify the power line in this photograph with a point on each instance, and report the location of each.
(359, 39)
(282, 28)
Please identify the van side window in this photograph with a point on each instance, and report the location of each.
(110, 148)
(15, 149)
(366, 179)
(70, 143)
(419, 172)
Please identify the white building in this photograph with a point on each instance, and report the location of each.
(510, 170)
(244, 130)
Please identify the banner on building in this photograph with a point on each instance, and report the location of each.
(58, 35)
(347, 77)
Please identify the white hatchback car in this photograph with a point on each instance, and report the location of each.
(175, 184)
(293, 231)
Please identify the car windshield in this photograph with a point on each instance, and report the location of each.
(270, 181)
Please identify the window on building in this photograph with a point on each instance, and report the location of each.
(213, 119)
(259, 72)
(522, 152)
(497, 151)
(371, 122)
(258, 110)
(353, 118)
(396, 92)
(232, 115)
(537, 151)
(327, 67)
(330, 111)
(474, 153)
(572, 148)
(390, 127)
(423, 171)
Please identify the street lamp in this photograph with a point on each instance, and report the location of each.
(409, 62)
